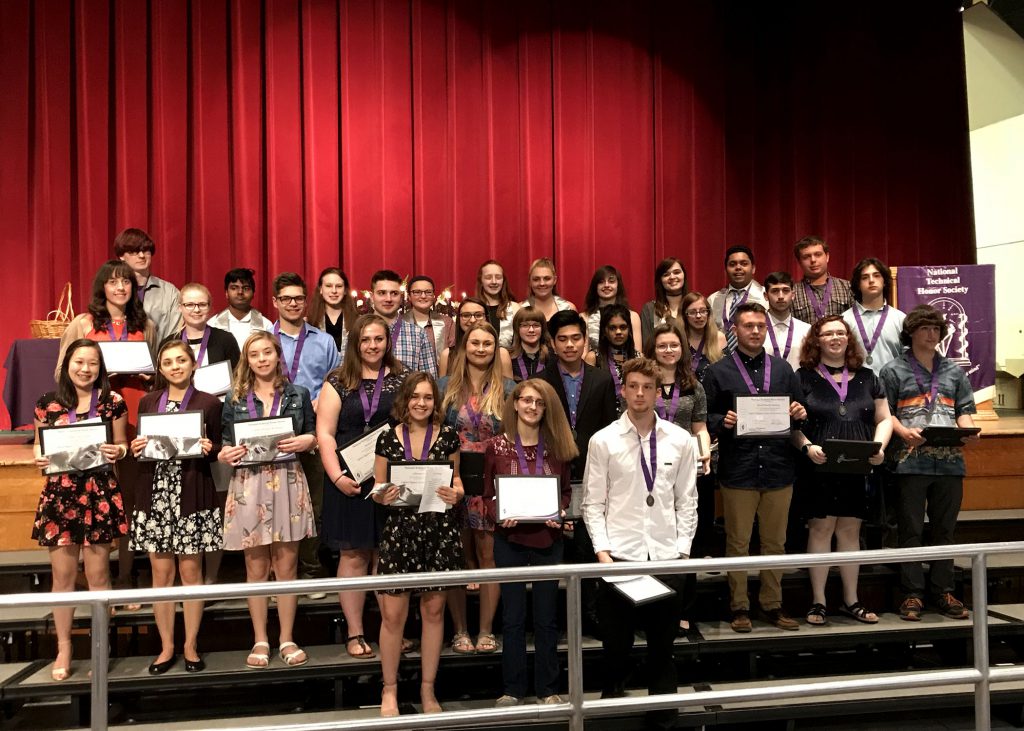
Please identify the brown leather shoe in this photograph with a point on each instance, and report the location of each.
(780, 620)
(741, 621)
(911, 609)
(952, 607)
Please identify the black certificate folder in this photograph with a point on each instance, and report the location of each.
(471, 470)
(848, 456)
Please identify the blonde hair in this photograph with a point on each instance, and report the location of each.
(712, 352)
(245, 378)
(197, 286)
(542, 263)
(459, 387)
(554, 426)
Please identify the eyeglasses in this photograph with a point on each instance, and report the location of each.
(530, 326)
(667, 347)
(195, 306)
(531, 401)
(299, 300)
(833, 335)
(421, 293)
(698, 313)
(472, 315)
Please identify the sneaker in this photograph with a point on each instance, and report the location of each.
(952, 607)
(317, 595)
(780, 620)
(507, 701)
(741, 621)
(550, 700)
(911, 609)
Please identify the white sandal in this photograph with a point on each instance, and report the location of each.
(258, 660)
(289, 657)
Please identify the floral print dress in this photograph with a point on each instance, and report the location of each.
(85, 508)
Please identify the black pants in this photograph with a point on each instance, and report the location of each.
(940, 496)
(513, 620)
(659, 620)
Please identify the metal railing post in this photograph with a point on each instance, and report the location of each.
(574, 638)
(979, 591)
(100, 660)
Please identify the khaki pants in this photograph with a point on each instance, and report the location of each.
(771, 507)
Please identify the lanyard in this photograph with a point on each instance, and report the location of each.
(870, 346)
(251, 402)
(726, 313)
(407, 442)
(746, 376)
(919, 377)
(475, 416)
(396, 330)
(293, 369)
(574, 404)
(841, 389)
(789, 339)
(184, 399)
(524, 371)
(819, 307)
(370, 406)
(73, 412)
(202, 345)
(649, 472)
(124, 332)
(538, 462)
(697, 356)
(614, 370)
(668, 414)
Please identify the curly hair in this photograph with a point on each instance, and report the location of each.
(810, 352)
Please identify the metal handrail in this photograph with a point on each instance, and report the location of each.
(576, 710)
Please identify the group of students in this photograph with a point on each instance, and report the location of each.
(633, 411)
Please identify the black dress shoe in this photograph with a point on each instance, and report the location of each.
(159, 668)
(195, 666)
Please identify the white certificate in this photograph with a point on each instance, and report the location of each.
(76, 447)
(172, 436)
(528, 499)
(260, 438)
(641, 589)
(357, 457)
(127, 356)
(418, 483)
(214, 379)
(762, 416)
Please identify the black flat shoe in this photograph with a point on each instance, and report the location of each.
(195, 666)
(159, 668)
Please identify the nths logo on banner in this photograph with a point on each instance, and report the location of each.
(966, 295)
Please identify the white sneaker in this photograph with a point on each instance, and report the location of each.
(507, 701)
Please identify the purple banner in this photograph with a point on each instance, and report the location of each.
(966, 295)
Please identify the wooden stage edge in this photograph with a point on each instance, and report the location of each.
(995, 479)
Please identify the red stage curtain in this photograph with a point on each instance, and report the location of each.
(426, 136)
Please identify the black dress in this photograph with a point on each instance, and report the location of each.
(822, 494)
(353, 523)
(415, 542)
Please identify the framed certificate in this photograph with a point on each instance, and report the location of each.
(848, 456)
(127, 356)
(214, 379)
(528, 498)
(760, 417)
(260, 438)
(418, 483)
(357, 457)
(172, 436)
(76, 447)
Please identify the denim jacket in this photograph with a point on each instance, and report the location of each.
(294, 403)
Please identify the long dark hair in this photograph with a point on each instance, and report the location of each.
(134, 315)
(593, 302)
(660, 295)
(318, 307)
(67, 395)
(604, 346)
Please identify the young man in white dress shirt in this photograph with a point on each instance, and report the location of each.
(240, 318)
(785, 333)
(640, 504)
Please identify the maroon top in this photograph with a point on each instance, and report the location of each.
(500, 459)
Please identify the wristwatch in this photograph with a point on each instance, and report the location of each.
(803, 449)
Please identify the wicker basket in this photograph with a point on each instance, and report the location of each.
(57, 320)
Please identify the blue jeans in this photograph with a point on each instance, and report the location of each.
(513, 620)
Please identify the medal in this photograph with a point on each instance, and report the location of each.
(475, 417)
(652, 472)
(842, 409)
(868, 360)
(538, 461)
(870, 343)
(933, 389)
(840, 388)
(818, 307)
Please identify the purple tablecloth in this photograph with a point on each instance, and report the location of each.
(30, 364)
